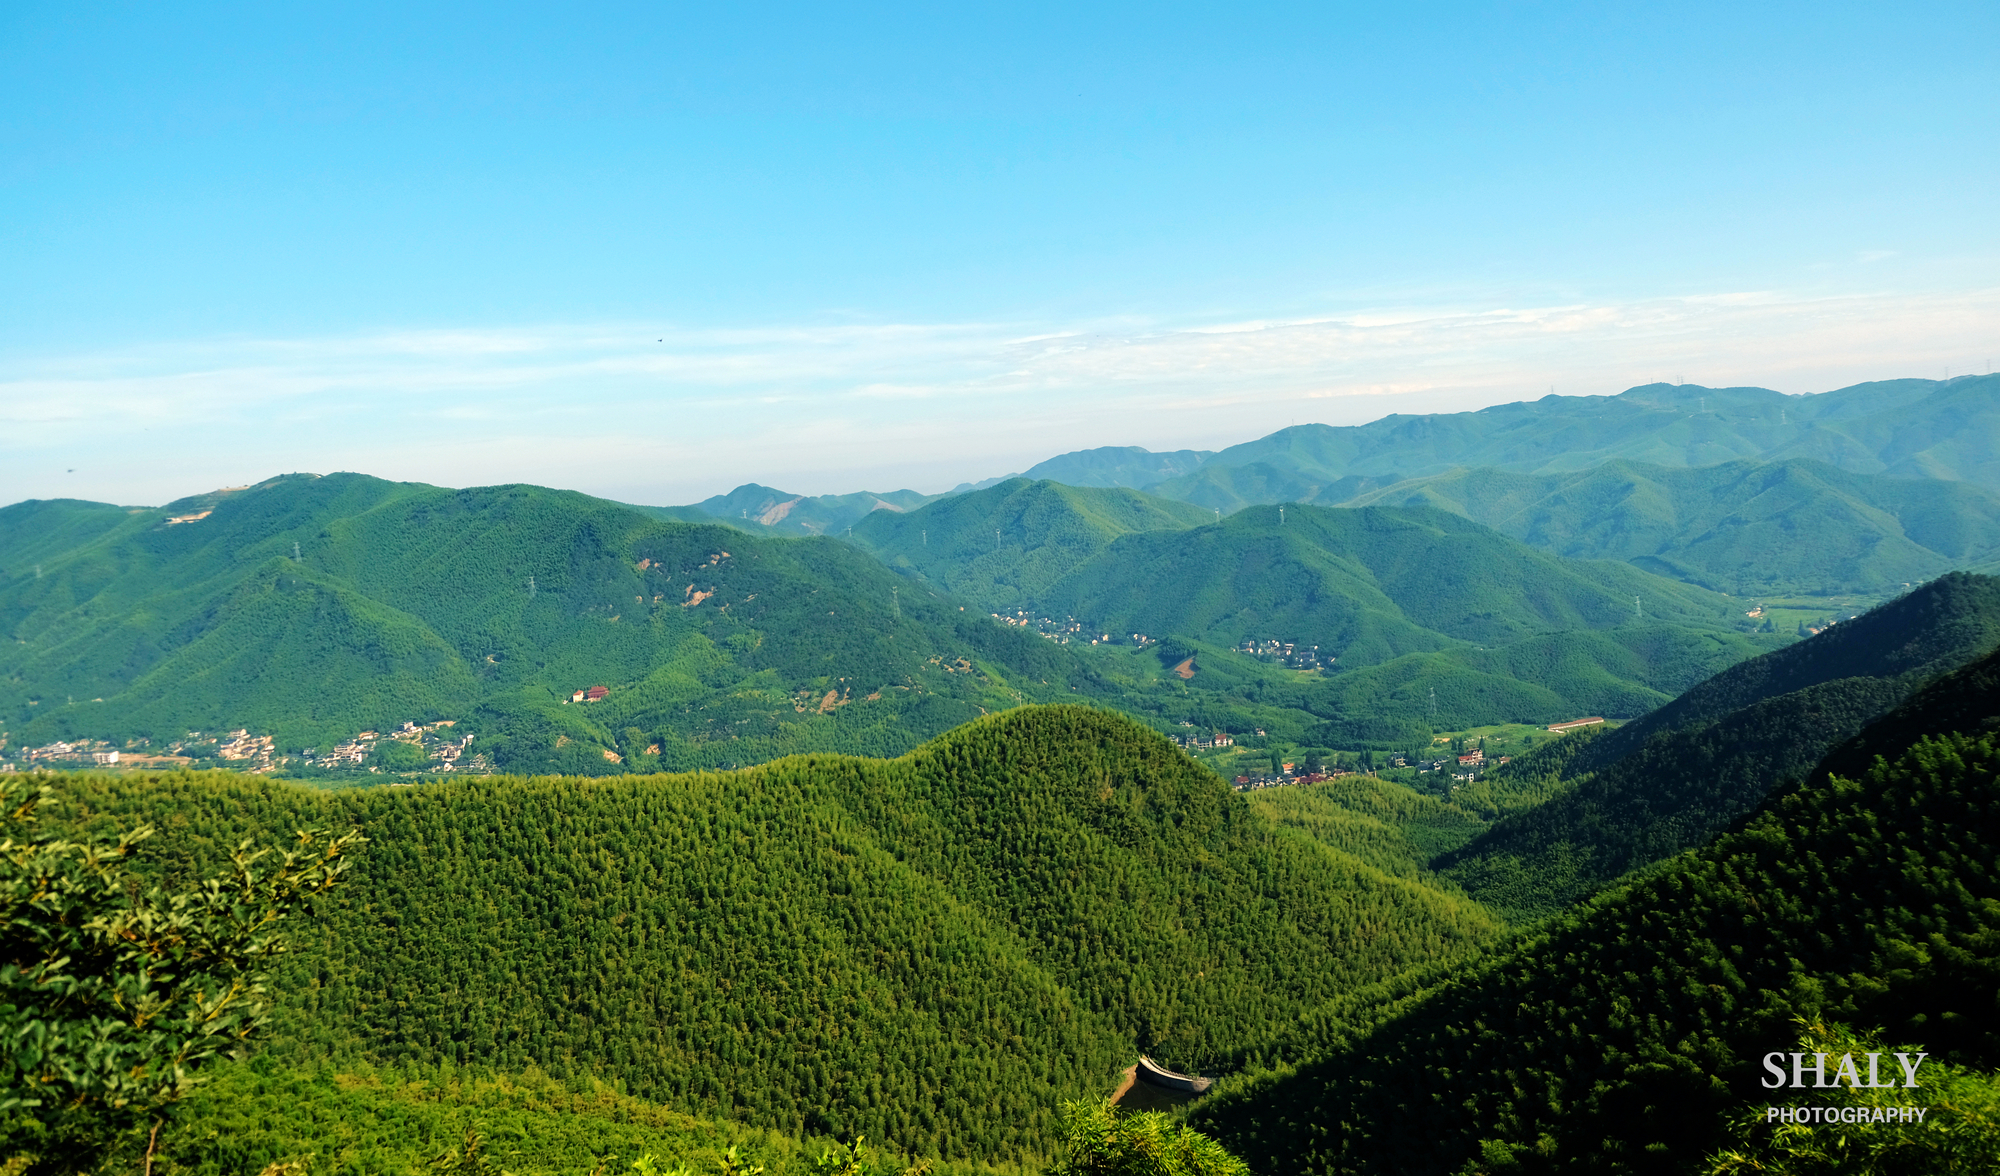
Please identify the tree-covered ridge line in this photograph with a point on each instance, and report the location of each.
(1674, 778)
(933, 951)
(1915, 429)
(1624, 1037)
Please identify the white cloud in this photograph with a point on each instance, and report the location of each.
(647, 415)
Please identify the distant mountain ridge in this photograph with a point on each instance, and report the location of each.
(1744, 527)
(1947, 430)
(1897, 480)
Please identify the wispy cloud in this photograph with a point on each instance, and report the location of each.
(653, 415)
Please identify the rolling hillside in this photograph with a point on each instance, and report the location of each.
(314, 608)
(1002, 547)
(1369, 584)
(932, 951)
(1740, 527)
(1402, 603)
(1418, 616)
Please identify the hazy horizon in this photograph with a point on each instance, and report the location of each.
(653, 253)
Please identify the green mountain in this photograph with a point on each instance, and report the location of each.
(932, 951)
(1625, 1037)
(1117, 465)
(1967, 699)
(762, 510)
(1419, 617)
(1741, 527)
(1368, 584)
(313, 608)
(1945, 430)
(1003, 546)
(1914, 638)
(1673, 779)
(1401, 603)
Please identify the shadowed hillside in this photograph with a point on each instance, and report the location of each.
(1674, 778)
(1623, 1037)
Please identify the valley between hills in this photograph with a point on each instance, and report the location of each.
(896, 822)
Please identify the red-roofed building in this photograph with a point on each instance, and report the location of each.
(595, 693)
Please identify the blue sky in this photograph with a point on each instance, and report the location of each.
(652, 251)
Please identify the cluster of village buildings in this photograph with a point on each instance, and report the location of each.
(238, 746)
(1203, 742)
(1068, 629)
(1288, 654)
(83, 751)
(244, 752)
(442, 752)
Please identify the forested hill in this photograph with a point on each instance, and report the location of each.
(1904, 428)
(933, 951)
(1967, 699)
(761, 509)
(1404, 616)
(314, 608)
(1937, 627)
(1621, 1038)
(1002, 547)
(1673, 779)
(1373, 583)
(1744, 527)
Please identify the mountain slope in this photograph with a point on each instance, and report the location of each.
(1117, 465)
(1368, 585)
(1674, 778)
(318, 607)
(1001, 547)
(1742, 527)
(1967, 699)
(1620, 1039)
(762, 510)
(1926, 632)
(932, 951)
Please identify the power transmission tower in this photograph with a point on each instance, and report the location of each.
(896, 599)
(531, 587)
(1434, 706)
(295, 551)
(927, 537)
(996, 541)
(1281, 516)
(1636, 610)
